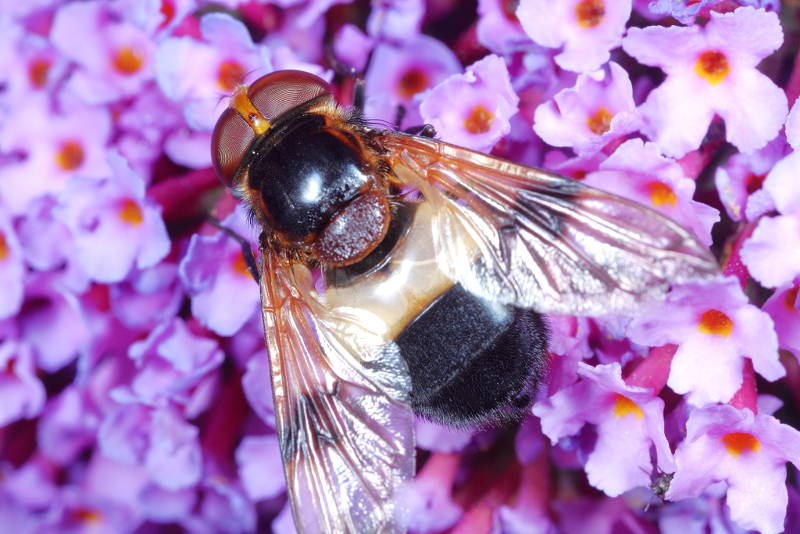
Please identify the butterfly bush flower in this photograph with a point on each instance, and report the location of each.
(114, 56)
(748, 452)
(124, 230)
(773, 252)
(598, 109)
(586, 29)
(602, 398)
(215, 272)
(715, 329)
(711, 70)
(472, 109)
(637, 171)
(135, 394)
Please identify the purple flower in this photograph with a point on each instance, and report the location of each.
(783, 307)
(426, 504)
(115, 57)
(56, 148)
(711, 70)
(352, 46)
(772, 254)
(603, 399)
(586, 117)
(395, 20)
(399, 74)
(68, 425)
(637, 170)
(586, 29)
(715, 328)
(12, 269)
(224, 294)
(113, 226)
(498, 27)
(739, 182)
(23, 393)
(746, 451)
(149, 297)
(199, 74)
(260, 467)
(472, 109)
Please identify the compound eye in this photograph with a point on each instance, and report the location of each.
(278, 92)
(232, 135)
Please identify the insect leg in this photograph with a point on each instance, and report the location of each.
(247, 252)
(425, 130)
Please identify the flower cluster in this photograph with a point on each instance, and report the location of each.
(134, 381)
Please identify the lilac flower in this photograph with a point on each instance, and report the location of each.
(745, 450)
(602, 398)
(199, 74)
(426, 502)
(395, 20)
(115, 57)
(23, 393)
(784, 309)
(772, 254)
(30, 66)
(586, 117)
(398, 75)
(68, 425)
(711, 70)
(715, 328)
(56, 147)
(259, 460)
(352, 46)
(149, 297)
(472, 109)
(159, 16)
(12, 269)
(498, 27)
(113, 226)
(224, 294)
(586, 29)
(739, 182)
(636, 170)
(258, 388)
(437, 438)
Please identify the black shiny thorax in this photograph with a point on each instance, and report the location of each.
(304, 171)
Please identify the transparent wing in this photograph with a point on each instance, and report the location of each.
(534, 239)
(345, 430)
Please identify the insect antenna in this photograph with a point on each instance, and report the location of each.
(247, 252)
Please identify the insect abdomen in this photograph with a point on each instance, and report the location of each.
(471, 360)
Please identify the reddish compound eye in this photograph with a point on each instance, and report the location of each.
(269, 96)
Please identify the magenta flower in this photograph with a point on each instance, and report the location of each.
(259, 462)
(637, 170)
(24, 394)
(619, 411)
(472, 109)
(122, 230)
(773, 252)
(395, 20)
(746, 451)
(12, 270)
(586, 29)
(586, 117)
(784, 309)
(427, 501)
(711, 70)
(715, 328)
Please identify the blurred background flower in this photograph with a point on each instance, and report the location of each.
(134, 383)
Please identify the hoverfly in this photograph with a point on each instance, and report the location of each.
(400, 274)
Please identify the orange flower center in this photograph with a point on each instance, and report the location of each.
(37, 72)
(739, 442)
(128, 61)
(87, 515)
(3, 247)
(130, 212)
(715, 322)
(230, 74)
(412, 82)
(479, 120)
(624, 406)
(600, 122)
(661, 194)
(240, 266)
(70, 156)
(590, 13)
(789, 298)
(712, 66)
(168, 11)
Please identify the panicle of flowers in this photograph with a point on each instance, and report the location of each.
(134, 381)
